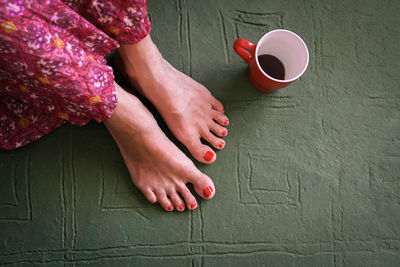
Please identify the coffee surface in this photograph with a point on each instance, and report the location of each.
(272, 66)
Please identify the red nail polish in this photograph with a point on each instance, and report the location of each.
(194, 205)
(208, 191)
(226, 122)
(224, 133)
(208, 156)
(221, 145)
(170, 208)
(181, 207)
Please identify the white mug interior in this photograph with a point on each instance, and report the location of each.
(289, 48)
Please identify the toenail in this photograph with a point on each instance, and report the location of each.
(170, 208)
(208, 156)
(221, 145)
(194, 205)
(224, 133)
(208, 191)
(226, 122)
(181, 207)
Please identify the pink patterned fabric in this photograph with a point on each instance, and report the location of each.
(52, 66)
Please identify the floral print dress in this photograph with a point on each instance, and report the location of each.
(52, 66)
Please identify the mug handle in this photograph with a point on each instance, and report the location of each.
(244, 49)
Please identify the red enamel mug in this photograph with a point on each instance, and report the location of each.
(284, 45)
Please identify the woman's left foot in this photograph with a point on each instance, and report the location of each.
(188, 108)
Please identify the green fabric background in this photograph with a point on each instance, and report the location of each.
(310, 175)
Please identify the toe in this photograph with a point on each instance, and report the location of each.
(201, 152)
(220, 118)
(190, 200)
(177, 201)
(218, 129)
(164, 201)
(217, 105)
(149, 194)
(208, 156)
(213, 140)
(204, 186)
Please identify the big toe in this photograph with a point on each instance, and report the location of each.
(200, 152)
(203, 185)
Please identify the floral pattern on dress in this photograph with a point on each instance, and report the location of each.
(52, 66)
(125, 21)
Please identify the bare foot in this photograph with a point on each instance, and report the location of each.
(187, 107)
(157, 167)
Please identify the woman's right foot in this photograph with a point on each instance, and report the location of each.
(157, 167)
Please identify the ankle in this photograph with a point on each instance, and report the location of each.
(141, 60)
(128, 114)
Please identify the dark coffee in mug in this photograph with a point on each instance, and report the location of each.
(279, 58)
(272, 66)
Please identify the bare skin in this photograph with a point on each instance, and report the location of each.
(157, 167)
(187, 107)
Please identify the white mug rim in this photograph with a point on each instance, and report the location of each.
(298, 37)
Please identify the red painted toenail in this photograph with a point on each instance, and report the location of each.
(221, 145)
(194, 205)
(207, 192)
(208, 156)
(170, 208)
(224, 133)
(226, 122)
(181, 207)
